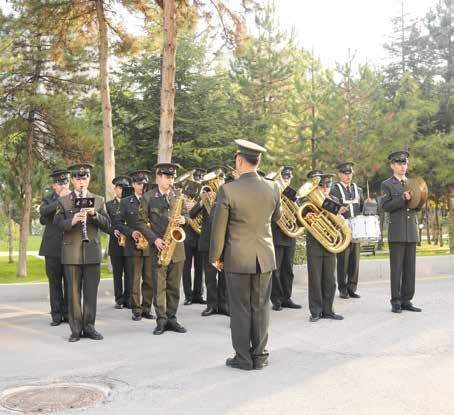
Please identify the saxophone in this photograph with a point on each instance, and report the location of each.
(174, 233)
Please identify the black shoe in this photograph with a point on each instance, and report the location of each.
(159, 329)
(198, 300)
(290, 304)
(188, 301)
(332, 316)
(411, 307)
(55, 323)
(137, 317)
(93, 334)
(209, 311)
(344, 295)
(396, 308)
(148, 315)
(233, 363)
(73, 338)
(118, 306)
(277, 307)
(260, 363)
(314, 319)
(175, 326)
(353, 294)
(224, 311)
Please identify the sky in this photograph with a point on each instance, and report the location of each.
(332, 27)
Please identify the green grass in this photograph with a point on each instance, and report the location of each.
(34, 241)
(35, 269)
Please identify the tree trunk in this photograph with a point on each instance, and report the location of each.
(437, 224)
(313, 158)
(26, 210)
(427, 225)
(168, 84)
(109, 148)
(451, 217)
(10, 233)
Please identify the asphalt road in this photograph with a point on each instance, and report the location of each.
(373, 362)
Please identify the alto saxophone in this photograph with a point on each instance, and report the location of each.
(174, 233)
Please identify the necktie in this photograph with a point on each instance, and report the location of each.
(403, 182)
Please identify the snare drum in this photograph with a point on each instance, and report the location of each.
(365, 228)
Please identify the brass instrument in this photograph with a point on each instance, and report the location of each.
(289, 222)
(329, 229)
(181, 182)
(122, 240)
(174, 233)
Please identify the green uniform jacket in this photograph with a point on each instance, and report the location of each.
(74, 251)
(241, 230)
(155, 209)
(403, 223)
(126, 222)
(52, 236)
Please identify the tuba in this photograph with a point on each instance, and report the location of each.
(327, 228)
(174, 233)
(289, 222)
(209, 190)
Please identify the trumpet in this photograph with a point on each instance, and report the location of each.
(327, 228)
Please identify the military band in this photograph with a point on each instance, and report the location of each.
(242, 245)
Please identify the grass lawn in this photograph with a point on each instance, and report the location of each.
(35, 268)
(424, 250)
(34, 241)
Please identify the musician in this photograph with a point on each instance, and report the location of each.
(156, 206)
(50, 247)
(217, 301)
(402, 234)
(138, 261)
(241, 244)
(121, 278)
(193, 292)
(351, 196)
(285, 247)
(320, 266)
(82, 259)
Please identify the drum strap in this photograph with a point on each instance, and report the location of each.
(349, 201)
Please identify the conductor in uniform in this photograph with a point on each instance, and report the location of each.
(351, 196)
(82, 258)
(402, 233)
(242, 245)
(284, 246)
(51, 245)
(121, 278)
(156, 206)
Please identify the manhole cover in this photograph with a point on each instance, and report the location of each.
(52, 398)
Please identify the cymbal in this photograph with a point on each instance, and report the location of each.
(419, 192)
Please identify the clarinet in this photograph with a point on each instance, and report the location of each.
(84, 223)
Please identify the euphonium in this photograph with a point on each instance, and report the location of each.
(181, 182)
(288, 223)
(329, 229)
(174, 233)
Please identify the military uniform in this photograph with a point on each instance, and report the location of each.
(82, 260)
(321, 266)
(241, 238)
(155, 209)
(284, 247)
(402, 238)
(138, 261)
(193, 292)
(50, 249)
(348, 260)
(217, 299)
(121, 275)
